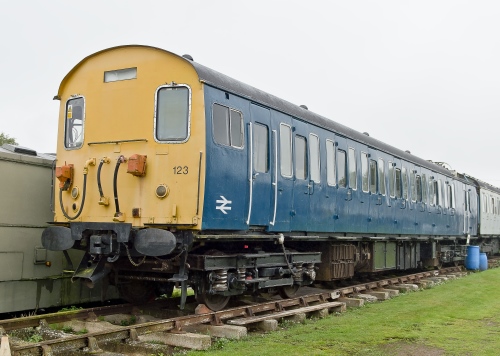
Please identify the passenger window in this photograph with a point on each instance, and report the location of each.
(342, 168)
(413, 186)
(439, 192)
(381, 176)
(397, 184)
(261, 148)
(373, 176)
(286, 150)
(172, 113)
(314, 158)
(418, 188)
(227, 126)
(353, 178)
(75, 114)
(432, 192)
(451, 196)
(405, 183)
(364, 172)
(300, 157)
(391, 180)
(424, 188)
(444, 196)
(330, 162)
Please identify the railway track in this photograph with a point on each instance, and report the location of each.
(129, 329)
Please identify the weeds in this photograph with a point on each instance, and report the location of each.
(129, 321)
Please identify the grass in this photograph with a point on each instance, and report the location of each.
(460, 317)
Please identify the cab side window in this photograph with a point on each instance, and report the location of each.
(75, 113)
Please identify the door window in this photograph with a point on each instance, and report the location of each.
(261, 148)
(286, 150)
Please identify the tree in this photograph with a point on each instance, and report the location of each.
(4, 138)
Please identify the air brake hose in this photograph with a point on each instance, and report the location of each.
(120, 160)
(99, 186)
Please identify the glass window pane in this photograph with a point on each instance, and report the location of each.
(397, 184)
(236, 128)
(364, 172)
(413, 186)
(432, 193)
(300, 157)
(381, 176)
(353, 178)
(260, 148)
(220, 119)
(342, 168)
(330, 162)
(286, 150)
(424, 188)
(172, 114)
(373, 177)
(437, 191)
(73, 137)
(405, 183)
(418, 188)
(392, 191)
(314, 157)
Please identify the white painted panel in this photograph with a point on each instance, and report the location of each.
(11, 266)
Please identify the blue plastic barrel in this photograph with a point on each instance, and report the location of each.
(472, 259)
(483, 262)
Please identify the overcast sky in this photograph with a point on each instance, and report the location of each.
(422, 76)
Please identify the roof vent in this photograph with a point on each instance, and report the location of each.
(366, 133)
(187, 56)
(408, 151)
(304, 107)
(19, 149)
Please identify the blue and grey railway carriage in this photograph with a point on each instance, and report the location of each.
(174, 174)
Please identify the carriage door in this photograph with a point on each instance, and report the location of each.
(260, 163)
(302, 187)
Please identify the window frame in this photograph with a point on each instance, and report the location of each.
(365, 168)
(373, 163)
(381, 176)
(392, 180)
(282, 124)
(404, 181)
(268, 148)
(188, 133)
(349, 171)
(66, 122)
(317, 169)
(242, 136)
(331, 163)
(306, 158)
(345, 171)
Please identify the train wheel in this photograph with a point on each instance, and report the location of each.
(136, 291)
(214, 302)
(288, 291)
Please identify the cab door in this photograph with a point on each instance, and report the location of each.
(260, 162)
